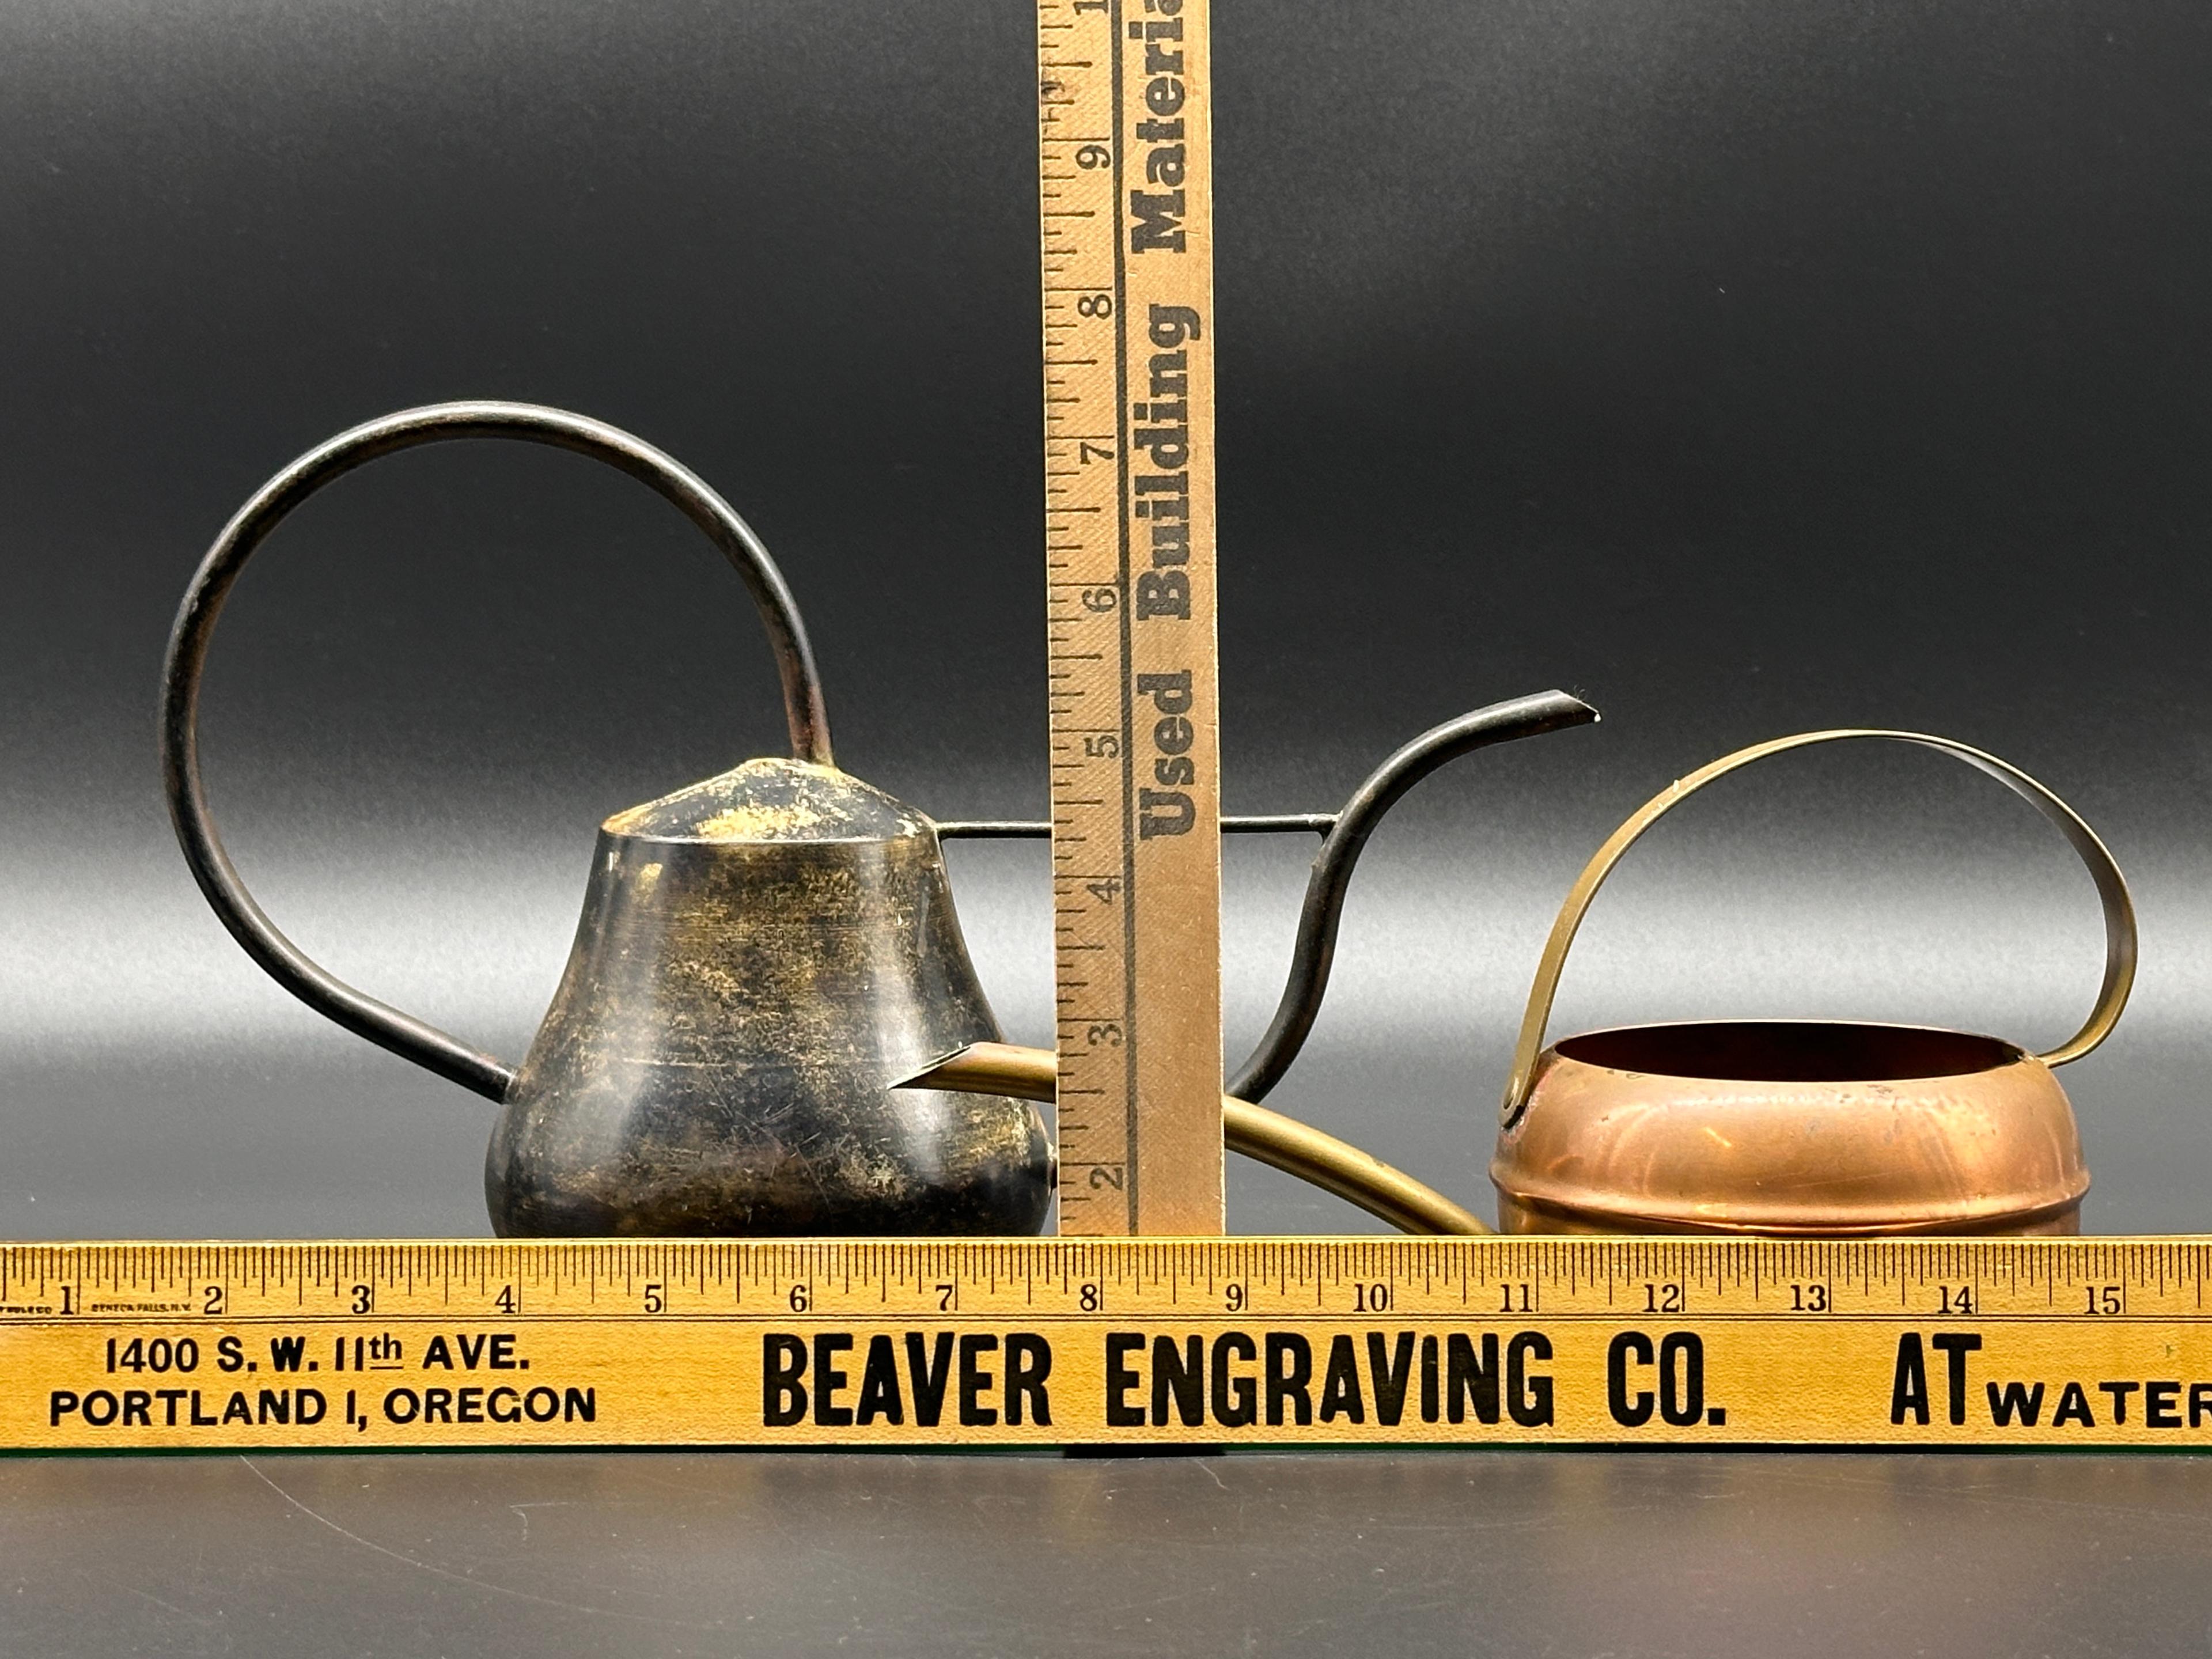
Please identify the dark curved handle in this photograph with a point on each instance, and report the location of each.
(1315, 952)
(211, 867)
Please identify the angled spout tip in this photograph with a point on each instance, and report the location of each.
(996, 1068)
(1548, 711)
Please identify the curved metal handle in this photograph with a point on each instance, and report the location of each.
(1314, 952)
(195, 626)
(2112, 893)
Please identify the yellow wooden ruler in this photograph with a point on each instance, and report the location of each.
(1126, 192)
(1114, 1342)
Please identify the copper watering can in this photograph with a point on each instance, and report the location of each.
(1796, 1129)
(762, 956)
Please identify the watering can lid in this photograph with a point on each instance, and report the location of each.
(773, 800)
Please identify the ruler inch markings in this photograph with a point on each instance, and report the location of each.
(1125, 274)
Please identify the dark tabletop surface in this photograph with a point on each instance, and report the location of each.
(1408, 1555)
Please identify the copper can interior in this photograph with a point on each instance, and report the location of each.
(1789, 1051)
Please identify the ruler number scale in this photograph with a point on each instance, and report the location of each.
(1126, 214)
(2043, 1343)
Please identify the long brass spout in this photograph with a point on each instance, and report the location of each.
(1295, 1148)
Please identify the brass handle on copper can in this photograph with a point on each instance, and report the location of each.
(2112, 893)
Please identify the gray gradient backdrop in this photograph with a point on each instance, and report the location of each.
(1741, 367)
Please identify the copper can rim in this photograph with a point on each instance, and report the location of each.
(2001, 1052)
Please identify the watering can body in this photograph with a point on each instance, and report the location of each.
(759, 956)
(1832, 1129)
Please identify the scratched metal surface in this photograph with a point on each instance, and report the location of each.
(1411, 1555)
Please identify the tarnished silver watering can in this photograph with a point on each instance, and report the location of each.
(762, 957)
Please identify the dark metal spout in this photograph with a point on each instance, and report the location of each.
(1345, 835)
(1315, 949)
